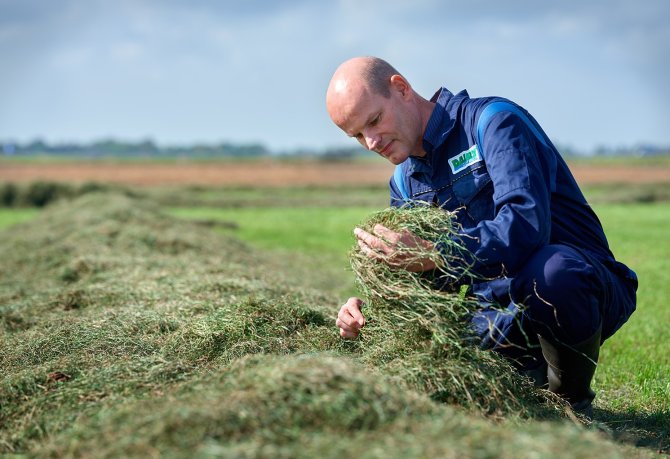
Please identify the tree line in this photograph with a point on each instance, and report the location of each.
(148, 148)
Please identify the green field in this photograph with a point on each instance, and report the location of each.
(136, 307)
(639, 353)
(9, 217)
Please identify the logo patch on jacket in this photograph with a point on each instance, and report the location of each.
(464, 159)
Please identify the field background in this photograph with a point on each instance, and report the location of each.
(301, 214)
(287, 172)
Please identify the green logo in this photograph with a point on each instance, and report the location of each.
(464, 159)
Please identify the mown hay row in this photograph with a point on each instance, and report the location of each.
(128, 333)
(309, 406)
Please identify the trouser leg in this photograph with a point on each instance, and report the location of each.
(562, 305)
(572, 303)
(559, 293)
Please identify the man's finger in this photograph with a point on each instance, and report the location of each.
(353, 307)
(357, 320)
(368, 251)
(371, 241)
(388, 235)
(342, 325)
(349, 335)
(347, 321)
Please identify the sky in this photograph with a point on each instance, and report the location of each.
(593, 73)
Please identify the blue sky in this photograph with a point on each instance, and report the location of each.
(592, 72)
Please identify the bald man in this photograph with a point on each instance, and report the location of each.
(554, 291)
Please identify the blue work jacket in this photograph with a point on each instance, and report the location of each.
(512, 196)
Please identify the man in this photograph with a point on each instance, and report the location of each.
(553, 291)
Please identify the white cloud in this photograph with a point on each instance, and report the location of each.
(126, 51)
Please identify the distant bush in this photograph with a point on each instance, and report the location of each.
(39, 194)
(8, 194)
(42, 193)
(91, 187)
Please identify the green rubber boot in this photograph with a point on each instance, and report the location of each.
(570, 370)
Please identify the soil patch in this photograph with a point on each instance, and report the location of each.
(272, 173)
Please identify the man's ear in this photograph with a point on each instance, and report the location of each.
(401, 85)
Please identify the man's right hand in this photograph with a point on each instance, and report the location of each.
(350, 320)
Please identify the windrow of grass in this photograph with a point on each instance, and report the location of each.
(126, 332)
(41, 193)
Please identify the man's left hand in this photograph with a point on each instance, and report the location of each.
(395, 249)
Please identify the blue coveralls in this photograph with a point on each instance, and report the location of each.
(527, 225)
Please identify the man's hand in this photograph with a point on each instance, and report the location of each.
(395, 249)
(350, 320)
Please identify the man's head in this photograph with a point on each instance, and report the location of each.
(370, 101)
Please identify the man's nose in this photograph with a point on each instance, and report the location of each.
(372, 141)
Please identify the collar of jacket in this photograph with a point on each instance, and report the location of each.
(439, 126)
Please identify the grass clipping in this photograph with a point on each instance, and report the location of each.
(421, 333)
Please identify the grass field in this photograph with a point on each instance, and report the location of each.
(637, 234)
(9, 217)
(324, 233)
(110, 307)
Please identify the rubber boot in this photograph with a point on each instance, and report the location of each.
(570, 370)
(537, 374)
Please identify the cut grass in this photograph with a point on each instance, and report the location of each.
(129, 333)
(632, 378)
(631, 381)
(289, 197)
(309, 406)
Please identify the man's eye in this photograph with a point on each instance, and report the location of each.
(375, 121)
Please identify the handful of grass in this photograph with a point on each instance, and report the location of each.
(417, 296)
(422, 333)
